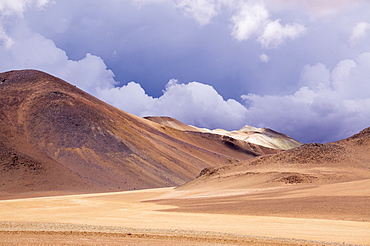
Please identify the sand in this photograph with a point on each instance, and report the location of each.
(146, 217)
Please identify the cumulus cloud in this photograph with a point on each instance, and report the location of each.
(36, 52)
(359, 32)
(251, 18)
(19, 6)
(329, 104)
(193, 103)
(264, 58)
(201, 105)
(253, 21)
(131, 97)
(201, 10)
(275, 34)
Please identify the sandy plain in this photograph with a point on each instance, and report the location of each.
(170, 216)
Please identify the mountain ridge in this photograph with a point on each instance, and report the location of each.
(260, 136)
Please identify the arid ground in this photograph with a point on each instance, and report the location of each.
(168, 216)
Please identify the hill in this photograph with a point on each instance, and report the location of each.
(313, 163)
(325, 181)
(55, 137)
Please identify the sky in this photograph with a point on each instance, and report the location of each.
(300, 67)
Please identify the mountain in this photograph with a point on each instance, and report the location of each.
(57, 138)
(310, 164)
(249, 134)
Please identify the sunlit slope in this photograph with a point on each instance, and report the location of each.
(249, 134)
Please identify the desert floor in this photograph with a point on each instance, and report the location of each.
(170, 216)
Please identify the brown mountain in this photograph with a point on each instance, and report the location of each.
(55, 137)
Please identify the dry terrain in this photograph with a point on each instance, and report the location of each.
(168, 216)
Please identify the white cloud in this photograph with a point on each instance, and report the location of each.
(316, 77)
(34, 51)
(330, 104)
(199, 104)
(5, 40)
(359, 32)
(10, 7)
(201, 10)
(264, 58)
(275, 34)
(193, 103)
(90, 74)
(249, 21)
(253, 21)
(131, 98)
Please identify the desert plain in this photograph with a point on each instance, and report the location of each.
(291, 215)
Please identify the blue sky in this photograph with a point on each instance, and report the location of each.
(299, 67)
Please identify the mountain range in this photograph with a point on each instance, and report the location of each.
(57, 139)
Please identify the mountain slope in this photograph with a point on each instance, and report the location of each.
(55, 137)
